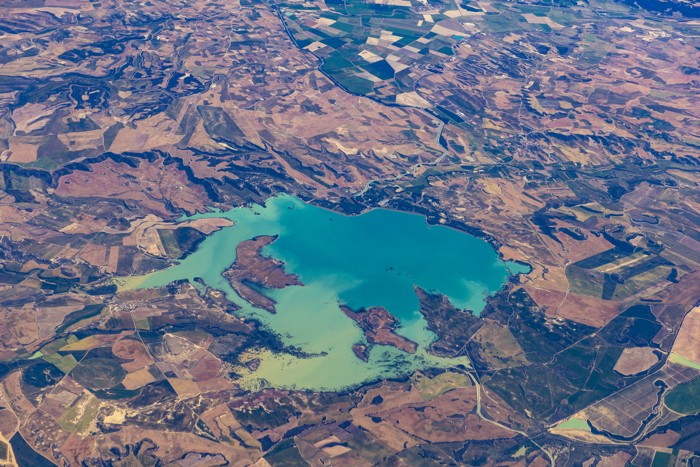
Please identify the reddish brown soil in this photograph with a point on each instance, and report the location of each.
(252, 269)
(378, 325)
(448, 418)
(580, 308)
(207, 368)
(360, 351)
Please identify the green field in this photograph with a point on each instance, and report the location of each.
(432, 388)
(661, 459)
(359, 38)
(684, 398)
(574, 424)
(77, 418)
(65, 363)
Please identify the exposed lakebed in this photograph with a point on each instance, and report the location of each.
(371, 260)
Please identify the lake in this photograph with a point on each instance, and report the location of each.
(373, 259)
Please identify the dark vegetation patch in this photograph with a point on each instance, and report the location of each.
(86, 312)
(285, 454)
(98, 373)
(41, 374)
(25, 455)
(452, 326)
(573, 367)
(539, 336)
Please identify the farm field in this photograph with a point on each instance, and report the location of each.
(359, 232)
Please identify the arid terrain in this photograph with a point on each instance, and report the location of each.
(564, 133)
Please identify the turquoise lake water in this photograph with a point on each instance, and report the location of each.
(373, 259)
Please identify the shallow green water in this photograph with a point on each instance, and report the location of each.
(373, 259)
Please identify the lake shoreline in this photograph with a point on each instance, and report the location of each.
(374, 259)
